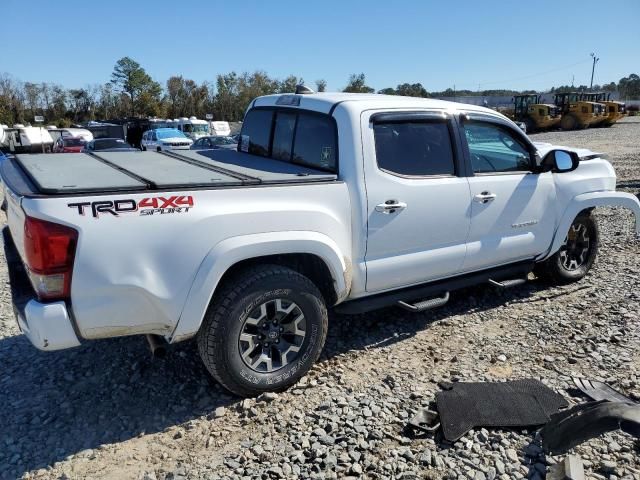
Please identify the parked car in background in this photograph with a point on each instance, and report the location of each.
(108, 145)
(165, 139)
(106, 130)
(83, 133)
(220, 129)
(69, 145)
(215, 143)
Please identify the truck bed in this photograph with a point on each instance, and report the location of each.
(103, 172)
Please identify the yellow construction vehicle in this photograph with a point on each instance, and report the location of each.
(614, 110)
(578, 113)
(535, 114)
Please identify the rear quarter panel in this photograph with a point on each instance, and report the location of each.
(133, 272)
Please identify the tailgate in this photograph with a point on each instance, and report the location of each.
(15, 219)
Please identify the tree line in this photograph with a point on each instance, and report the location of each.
(131, 92)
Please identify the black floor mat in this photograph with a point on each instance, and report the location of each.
(519, 403)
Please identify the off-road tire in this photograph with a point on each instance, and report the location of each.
(554, 269)
(569, 122)
(531, 125)
(219, 336)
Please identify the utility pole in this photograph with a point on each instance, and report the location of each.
(593, 68)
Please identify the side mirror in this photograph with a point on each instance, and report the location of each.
(560, 161)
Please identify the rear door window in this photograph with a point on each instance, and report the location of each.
(414, 148)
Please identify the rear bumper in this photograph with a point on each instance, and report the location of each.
(48, 326)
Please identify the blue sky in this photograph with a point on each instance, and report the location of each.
(483, 43)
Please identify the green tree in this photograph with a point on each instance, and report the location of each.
(32, 95)
(357, 84)
(407, 90)
(412, 90)
(134, 81)
(225, 102)
(629, 87)
(289, 84)
(175, 95)
(321, 85)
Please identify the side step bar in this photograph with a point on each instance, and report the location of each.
(428, 290)
(508, 283)
(425, 304)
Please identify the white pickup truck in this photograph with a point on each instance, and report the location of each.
(345, 201)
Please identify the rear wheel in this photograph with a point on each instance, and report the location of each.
(576, 255)
(263, 331)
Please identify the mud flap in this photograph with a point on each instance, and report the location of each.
(567, 429)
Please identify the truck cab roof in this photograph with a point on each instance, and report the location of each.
(327, 102)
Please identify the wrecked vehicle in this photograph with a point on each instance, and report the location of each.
(349, 201)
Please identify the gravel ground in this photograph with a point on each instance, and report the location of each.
(107, 410)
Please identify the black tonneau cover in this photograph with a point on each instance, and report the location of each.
(63, 174)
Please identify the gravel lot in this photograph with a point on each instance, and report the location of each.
(107, 410)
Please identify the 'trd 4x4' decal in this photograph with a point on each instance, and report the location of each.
(146, 206)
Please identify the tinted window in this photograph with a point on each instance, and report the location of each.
(315, 142)
(256, 130)
(495, 149)
(414, 148)
(298, 137)
(110, 143)
(73, 142)
(283, 135)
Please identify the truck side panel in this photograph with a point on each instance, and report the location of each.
(134, 267)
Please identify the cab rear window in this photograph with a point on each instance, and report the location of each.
(300, 137)
(256, 132)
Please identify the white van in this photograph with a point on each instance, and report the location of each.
(192, 127)
(220, 129)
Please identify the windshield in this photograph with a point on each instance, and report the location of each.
(170, 133)
(202, 128)
(110, 143)
(197, 128)
(73, 142)
(223, 141)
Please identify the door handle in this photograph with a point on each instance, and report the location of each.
(390, 206)
(484, 197)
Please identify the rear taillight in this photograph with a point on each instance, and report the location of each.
(49, 250)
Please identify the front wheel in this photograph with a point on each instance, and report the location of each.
(576, 255)
(531, 125)
(569, 122)
(263, 330)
